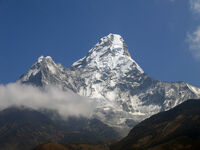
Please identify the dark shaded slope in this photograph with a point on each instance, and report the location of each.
(178, 128)
(23, 129)
(56, 146)
(51, 146)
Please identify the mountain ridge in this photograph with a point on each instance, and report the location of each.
(177, 128)
(23, 128)
(123, 93)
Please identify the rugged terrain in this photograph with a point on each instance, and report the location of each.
(177, 129)
(123, 93)
(56, 146)
(23, 129)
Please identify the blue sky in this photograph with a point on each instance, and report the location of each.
(163, 36)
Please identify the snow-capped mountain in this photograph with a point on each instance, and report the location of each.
(123, 93)
(46, 72)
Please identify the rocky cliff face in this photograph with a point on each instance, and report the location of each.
(123, 93)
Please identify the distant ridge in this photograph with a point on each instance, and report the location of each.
(178, 129)
(23, 129)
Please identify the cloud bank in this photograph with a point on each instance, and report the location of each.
(65, 103)
(195, 6)
(193, 38)
(194, 42)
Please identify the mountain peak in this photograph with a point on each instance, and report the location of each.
(123, 93)
(116, 38)
(115, 43)
(108, 48)
(113, 35)
(42, 58)
(42, 70)
(110, 53)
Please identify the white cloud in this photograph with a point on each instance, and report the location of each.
(194, 42)
(193, 38)
(66, 103)
(195, 6)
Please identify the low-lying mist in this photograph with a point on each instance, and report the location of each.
(66, 103)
